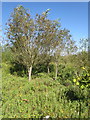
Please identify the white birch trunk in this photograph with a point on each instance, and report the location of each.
(30, 73)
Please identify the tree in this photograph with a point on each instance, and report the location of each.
(21, 34)
(36, 40)
(47, 33)
(82, 55)
(30, 39)
(65, 46)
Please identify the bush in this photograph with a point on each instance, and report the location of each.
(42, 75)
(83, 79)
(75, 93)
(52, 75)
(65, 73)
(18, 69)
(67, 82)
(39, 68)
(7, 55)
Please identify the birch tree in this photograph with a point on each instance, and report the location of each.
(35, 40)
(47, 34)
(21, 38)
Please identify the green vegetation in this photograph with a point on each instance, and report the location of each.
(42, 96)
(60, 84)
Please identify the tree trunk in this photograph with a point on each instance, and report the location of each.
(56, 72)
(48, 70)
(30, 72)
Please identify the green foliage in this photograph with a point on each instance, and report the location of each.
(52, 75)
(65, 74)
(6, 68)
(38, 68)
(81, 59)
(83, 79)
(7, 55)
(66, 82)
(52, 67)
(41, 97)
(18, 69)
(75, 93)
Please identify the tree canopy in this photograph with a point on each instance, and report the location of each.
(38, 39)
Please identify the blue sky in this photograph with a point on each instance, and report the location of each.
(73, 15)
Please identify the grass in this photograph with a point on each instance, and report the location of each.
(41, 97)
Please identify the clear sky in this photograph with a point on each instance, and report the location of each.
(73, 15)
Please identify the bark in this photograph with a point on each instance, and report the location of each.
(56, 71)
(30, 73)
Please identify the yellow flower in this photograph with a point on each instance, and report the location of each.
(82, 86)
(83, 68)
(78, 78)
(77, 83)
(74, 80)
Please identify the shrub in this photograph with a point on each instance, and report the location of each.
(65, 73)
(18, 69)
(75, 93)
(83, 79)
(67, 82)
